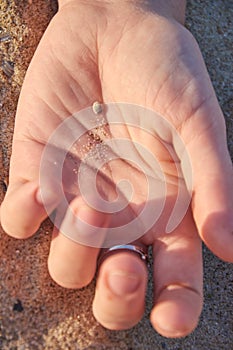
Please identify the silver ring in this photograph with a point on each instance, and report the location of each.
(134, 249)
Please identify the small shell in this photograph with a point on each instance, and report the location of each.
(4, 37)
(97, 107)
(8, 68)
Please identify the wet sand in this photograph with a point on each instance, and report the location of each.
(35, 313)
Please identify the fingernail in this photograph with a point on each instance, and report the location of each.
(122, 283)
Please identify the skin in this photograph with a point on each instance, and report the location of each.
(90, 46)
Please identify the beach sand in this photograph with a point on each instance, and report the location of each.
(35, 313)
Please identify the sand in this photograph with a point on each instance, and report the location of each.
(35, 313)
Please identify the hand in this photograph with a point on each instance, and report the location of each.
(121, 53)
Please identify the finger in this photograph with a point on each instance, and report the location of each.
(205, 138)
(21, 212)
(177, 281)
(120, 292)
(71, 264)
(23, 201)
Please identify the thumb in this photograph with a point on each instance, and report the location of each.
(204, 134)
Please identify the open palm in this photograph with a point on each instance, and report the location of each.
(133, 56)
